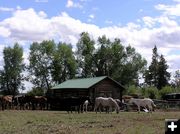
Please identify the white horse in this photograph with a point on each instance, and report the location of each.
(146, 103)
(85, 105)
(107, 103)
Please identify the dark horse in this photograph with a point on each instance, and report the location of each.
(29, 102)
(69, 104)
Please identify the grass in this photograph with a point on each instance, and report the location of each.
(56, 122)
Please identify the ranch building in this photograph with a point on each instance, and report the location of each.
(103, 86)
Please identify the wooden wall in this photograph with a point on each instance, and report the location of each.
(106, 88)
(70, 92)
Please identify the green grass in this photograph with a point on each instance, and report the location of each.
(55, 122)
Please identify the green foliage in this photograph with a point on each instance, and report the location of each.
(64, 64)
(176, 81)
(157, 74)
(150, 92)
(11, 77)
(84, 55)
(166, 90)
(36, 92)
(40, 63)
(164, 76)
(133, 90)
(110, 58)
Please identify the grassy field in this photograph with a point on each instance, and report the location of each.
(55, 122)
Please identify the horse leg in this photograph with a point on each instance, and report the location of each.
(138, 109)
(150, 109)
(86, 108)
(95, 108)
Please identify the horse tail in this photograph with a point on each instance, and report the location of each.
(153, 105)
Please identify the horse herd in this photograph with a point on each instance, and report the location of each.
(69, 104)
(23, 102)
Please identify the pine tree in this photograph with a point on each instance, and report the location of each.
(163, 75)
(157, 74)
(151, 76)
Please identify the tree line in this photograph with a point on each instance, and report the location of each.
(52, 63)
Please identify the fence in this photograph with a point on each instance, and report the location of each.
(167, 105)
(160, 105)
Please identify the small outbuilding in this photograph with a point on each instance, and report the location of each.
(94, 87)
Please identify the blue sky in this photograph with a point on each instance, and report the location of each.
(141, 23)
(117, 11)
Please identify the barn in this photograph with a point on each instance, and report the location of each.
(103, 86)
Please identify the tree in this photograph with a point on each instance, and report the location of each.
(102, 57)
(132, 66)
(151, 75)
(40, 58)
(157, 74)
(64, 63)
(163, 75)
(11, 76)
(36, 92)
(84, 55)
(176, 81)
(110, 58)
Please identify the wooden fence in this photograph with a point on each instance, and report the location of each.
(167, 105)
(160, 105)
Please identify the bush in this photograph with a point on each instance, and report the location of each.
(166, 90)
(133, 90)
(150, 92)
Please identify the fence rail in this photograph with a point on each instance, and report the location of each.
(164, 104)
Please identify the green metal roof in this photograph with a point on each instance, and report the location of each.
(80, 83)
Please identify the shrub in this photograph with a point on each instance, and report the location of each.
(166, 90)
(150, 92)
(133, 90)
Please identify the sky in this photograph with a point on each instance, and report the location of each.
(140, 23)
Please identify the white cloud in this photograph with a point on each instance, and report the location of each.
(148, 21)
(18, 8)
(6, 9)
(172, 10)
(91, 16)
(176, 0)
(70, 4)
(22, 27)
(4, 32)
(38, 27)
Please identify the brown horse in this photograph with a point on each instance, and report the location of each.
(6, 102)
(39, 102)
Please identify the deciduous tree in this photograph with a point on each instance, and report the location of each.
(11, 76)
